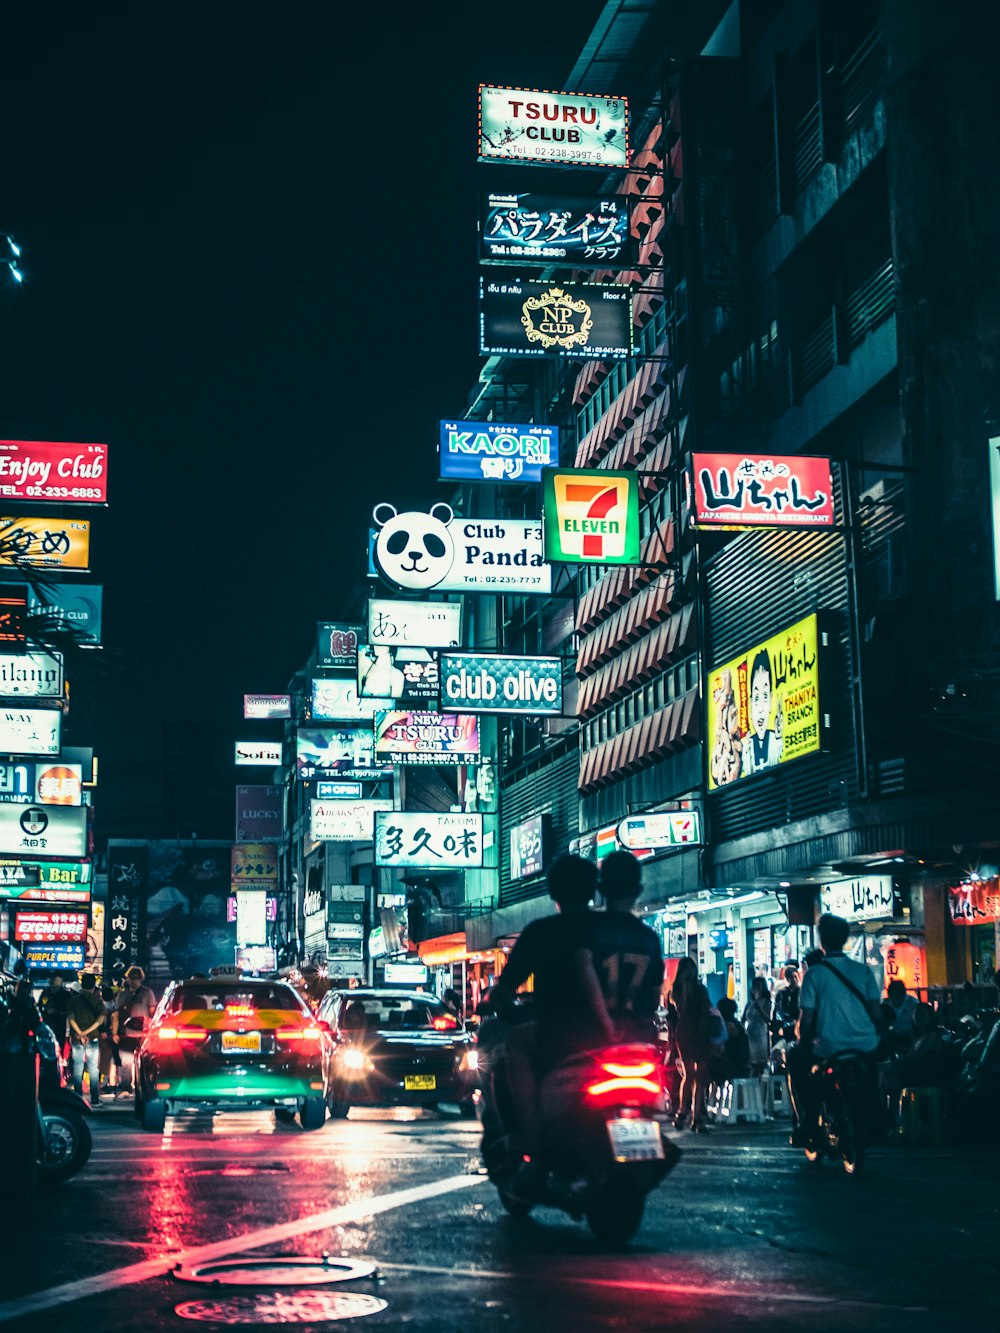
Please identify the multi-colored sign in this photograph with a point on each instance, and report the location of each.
(60, 473)
(764, 707)
(258, 814)
(528, 851)
(564, 129)
(558, 319)
(496, 683)
(270, 905)
(426, 738)
(54, 957)
(495, 451)
(40, 927)
(61, 607)
(254, 864)
(660, 829)
(409, 675)
(33, 675)
(429, 838)
(13, 614)
(337, 644)
(45, 543)
(40, 782)
(414, 624)
(762, 490)
(344, 821)
(45, 881)
(45, 830)
(267, 706)
(542, 228)
(974, 903)
(322, 751)
(30, 730)
(336, 698)
(416, 552)
(865, 898)
(591, 516)
(258, 754)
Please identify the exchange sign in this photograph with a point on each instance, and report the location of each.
(409, 675)
(258, 754)
(541, 228)
(414, 624)
(30, 730)
(494, 451)
(45, 543)
(567, 319)
(429, 838)
(491, 683)
(765, 707)
(42, 783)
(267, 705)
(660, 829)
(327, 751)
(45, 830)
(344, 821)
(42, 927)
(31, 675)
(762, 490)
(567, 129)
(591, 516)
(426, 738)
(60, 473)
(417, 552)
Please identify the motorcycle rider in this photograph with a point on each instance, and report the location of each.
(839, 1011)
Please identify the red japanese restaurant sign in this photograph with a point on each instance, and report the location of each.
(57, 473)
(51, 927)
(976, 903)
(762, 490)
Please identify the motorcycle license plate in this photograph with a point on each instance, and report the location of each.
(635, 1140)
(241, 1041)
(420, 1082)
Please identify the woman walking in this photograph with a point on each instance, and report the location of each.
(757, 1021)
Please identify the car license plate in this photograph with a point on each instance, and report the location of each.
(420, 1082)
(635, 1140)
(241, 1041)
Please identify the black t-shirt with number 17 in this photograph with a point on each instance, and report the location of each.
(629, 965)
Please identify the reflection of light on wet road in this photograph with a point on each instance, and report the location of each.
(243, 1122)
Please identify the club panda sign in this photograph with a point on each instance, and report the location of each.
(417, 552)
(493, 683)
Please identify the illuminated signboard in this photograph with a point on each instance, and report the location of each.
(565, 129)
(78, 609)
(762, 490)
(337, 644)
(338, 791)
(409, 675)
(765, 706)
(251, 917)
(41, 782)
(426, 738)
(13, 614)
(60, 473)
(429, 838)
(40, 927)
(591, 516)
(660, 829)
(45, 881)
(406, 974)
(46, 830)
(271, 905)
(258, 814)
(541, 228)
(322, 751)
(496, 683)
(30, 730)
(31, 675)
(974, 903)
(336, 698)
(414, 624)
(344, 821)
(417, 552)
(54, 957)
(258, 754)
(267, 705)
(865, 898)
(563, 319)
(254, 864)
(494, 451)
(45, 543)
(528, 851)
(256, 958)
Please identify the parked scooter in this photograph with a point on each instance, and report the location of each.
(64, 1138)
(844, 1097)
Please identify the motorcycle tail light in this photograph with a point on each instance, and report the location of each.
(626, 1073)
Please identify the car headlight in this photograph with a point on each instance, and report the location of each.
(470, 1059)
(354, 1061)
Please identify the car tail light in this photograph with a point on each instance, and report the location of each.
(240, 1011)
(444, 1024)
(628, 1073)
(166, 1038)
(308, 1036)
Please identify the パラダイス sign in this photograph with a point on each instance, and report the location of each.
(541, 228)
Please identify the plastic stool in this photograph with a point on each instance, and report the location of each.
(713, 1100)
(742, 1100)
(776, 1100)
(921, 1116)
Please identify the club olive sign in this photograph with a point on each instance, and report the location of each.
(495, 683)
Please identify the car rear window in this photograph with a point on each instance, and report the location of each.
(209, 995)
(392, 1013)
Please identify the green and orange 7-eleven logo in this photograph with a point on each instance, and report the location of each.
(591, 517)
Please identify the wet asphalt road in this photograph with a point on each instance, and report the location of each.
(743, 1234)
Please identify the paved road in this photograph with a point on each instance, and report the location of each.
(743, 1234)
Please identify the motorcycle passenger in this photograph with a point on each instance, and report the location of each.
(839, 1012)
(628, 960)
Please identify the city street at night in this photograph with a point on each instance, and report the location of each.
(743, 1234)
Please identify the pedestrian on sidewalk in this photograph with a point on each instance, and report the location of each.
(86, 1018)
(701, 1035)
(757, 1021)
(110, 1062)
(53, 1003)
(733, 1061)
(135, 1007)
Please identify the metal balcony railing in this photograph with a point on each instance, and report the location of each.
(861, 81)
(817, 354)
(871, 304)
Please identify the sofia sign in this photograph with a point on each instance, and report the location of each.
(568, 129)
(267, 754)
(416, 552)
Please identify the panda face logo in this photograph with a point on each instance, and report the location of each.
(414, 551)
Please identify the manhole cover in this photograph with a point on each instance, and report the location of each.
(277, 1270)
(282, 1308)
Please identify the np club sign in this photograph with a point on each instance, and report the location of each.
(591, 517)
(487, 683)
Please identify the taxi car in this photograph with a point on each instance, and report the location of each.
(396, 1048)
(232, 1042)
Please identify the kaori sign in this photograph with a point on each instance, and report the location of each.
(496, 451)
(495, 683)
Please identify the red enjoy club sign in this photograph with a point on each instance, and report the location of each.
(762, 490)
(57, 473)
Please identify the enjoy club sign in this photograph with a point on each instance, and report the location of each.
(494, 683)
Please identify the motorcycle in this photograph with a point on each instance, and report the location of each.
(602, 1150)
(844, 1098)
(64, 1139)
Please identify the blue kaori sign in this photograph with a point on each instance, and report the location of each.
(492, 683)
(495, 451)
(77, 608)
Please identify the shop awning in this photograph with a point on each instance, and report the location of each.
(443, 949)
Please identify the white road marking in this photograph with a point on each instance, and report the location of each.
(129, 1275)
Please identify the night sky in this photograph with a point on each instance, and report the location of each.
(249, 244)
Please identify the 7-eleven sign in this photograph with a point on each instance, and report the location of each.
(591, 516)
